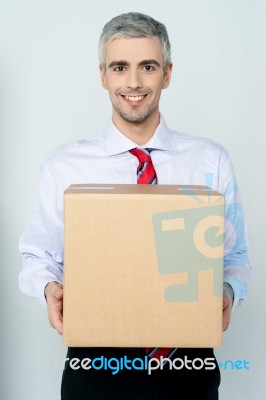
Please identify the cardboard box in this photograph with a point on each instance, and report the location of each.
(143, 266)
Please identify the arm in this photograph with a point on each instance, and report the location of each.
(42, 248)
(237, 271)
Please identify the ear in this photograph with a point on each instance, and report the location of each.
(167, 75)
(103, 75)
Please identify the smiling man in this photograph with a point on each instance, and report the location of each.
(134, 72)
(137, 147)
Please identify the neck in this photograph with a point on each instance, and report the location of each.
(140, 133)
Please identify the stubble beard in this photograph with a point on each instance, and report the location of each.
(134, 115)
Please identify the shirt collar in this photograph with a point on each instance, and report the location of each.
(116, 142)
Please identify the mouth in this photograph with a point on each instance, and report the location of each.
(134, 100)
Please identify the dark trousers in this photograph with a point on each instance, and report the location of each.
(187, 383)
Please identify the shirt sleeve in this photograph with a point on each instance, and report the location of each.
(41, 243)
(237, 270)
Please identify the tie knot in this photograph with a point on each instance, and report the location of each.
(143, 155)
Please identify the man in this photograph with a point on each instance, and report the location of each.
(135, 65)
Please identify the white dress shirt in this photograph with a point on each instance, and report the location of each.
(105, 158)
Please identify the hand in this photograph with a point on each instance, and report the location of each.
(227, 308)
(54, 296)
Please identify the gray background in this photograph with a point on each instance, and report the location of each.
(51, 94)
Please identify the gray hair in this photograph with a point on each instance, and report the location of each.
(135, 25)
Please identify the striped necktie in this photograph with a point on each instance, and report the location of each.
(145, 171)
(146, 174)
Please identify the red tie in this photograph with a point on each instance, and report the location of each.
(146, 174)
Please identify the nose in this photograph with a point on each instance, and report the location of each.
(134, 80)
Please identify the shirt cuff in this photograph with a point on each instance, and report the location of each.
(239, 291)
(40, 286)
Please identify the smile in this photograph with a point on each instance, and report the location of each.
(134, 99)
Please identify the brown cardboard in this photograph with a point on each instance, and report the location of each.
(133, 254)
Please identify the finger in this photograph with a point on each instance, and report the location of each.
(225, 325)
(226, 318)
(59, 294)
(55, 311)
(59, 326)
(226, 303)
(56, 320)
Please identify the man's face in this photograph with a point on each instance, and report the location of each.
(134, 76)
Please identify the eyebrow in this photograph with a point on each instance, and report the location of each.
(124, 63)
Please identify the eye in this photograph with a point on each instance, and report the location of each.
(148, 68)
(119, 68)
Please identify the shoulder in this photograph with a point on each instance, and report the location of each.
(69, 152)
(200, 146)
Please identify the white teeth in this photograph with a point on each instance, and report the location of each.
(134, 98)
